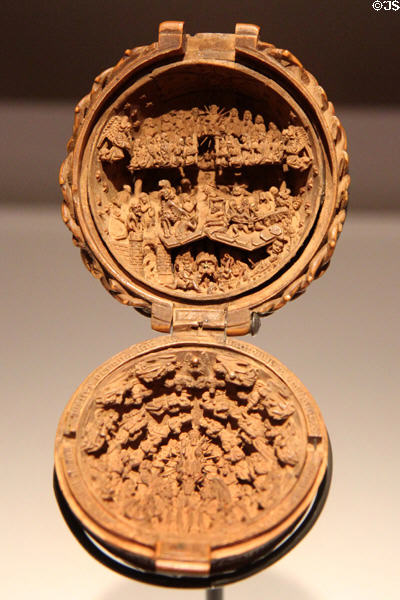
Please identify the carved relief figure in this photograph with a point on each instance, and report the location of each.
(117, 226)
(207, 271)
(191, 442)
(184, 270)
(117, 137)
(170, 211)
(204, 226)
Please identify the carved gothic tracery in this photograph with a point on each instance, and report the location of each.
(191, 441)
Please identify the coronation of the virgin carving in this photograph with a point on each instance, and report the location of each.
(204, 199)
(191, 441)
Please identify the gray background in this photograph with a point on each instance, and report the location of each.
(341, 338)
(54, 48)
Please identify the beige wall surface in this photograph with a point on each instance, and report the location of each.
(341, 338)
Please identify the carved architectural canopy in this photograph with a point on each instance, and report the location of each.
(206, 169)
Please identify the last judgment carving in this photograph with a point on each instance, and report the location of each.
(191, 441)
(203, 200)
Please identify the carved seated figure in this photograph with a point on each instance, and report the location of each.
(239, 210)
(297, 148)
(188, 204)
(184, 269)
(146, 211)
(170, 212)
(273, 145)
(231, 123)
(268, 199)
(276, 249)
(247, 123)
(283, 199)
(216, 217)
(117, 228)
(115, 139)
(227, 263)
(134, 220)
(259, 128)
(148, 128)
(207, 271)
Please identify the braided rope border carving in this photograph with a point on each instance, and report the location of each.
(321, 259)
(320, 262)
(67, 208)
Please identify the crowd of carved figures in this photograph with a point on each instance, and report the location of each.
(211, 136)
(191, 441)
(175, 216)
(204, 226)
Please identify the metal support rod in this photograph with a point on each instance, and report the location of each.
(215, 594)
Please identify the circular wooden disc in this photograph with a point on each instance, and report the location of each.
(180, 456)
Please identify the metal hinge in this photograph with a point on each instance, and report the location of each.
(188, 319)
(219, 321)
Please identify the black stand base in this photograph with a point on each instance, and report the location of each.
(214, 580)
(215, 594)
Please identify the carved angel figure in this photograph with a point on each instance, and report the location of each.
(297, 148)
(154, 369)
(116, 137)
